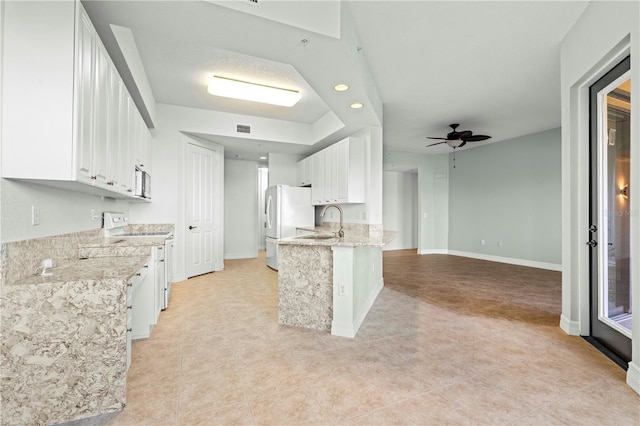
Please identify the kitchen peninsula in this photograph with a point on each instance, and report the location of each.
(330, 283)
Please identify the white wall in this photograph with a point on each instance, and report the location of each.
(61, 211)
(263, 183)
(605, 33)
(400, 208)
(283, 168)
(240, 209)
(433, 195)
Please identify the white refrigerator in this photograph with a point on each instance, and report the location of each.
(286, 208)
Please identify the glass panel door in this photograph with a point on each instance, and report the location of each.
(611, 309)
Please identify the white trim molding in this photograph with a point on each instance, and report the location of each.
(572, 328)
(500, 259)
(633, 376)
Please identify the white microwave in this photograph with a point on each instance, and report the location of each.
(143, 184)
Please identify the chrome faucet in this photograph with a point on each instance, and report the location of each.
(341, 231)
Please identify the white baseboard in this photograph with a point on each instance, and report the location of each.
(633, 377)
(435, 251)
(231, 256)
(500, 259)
(178, 278)
(572, 328)
(346, 329)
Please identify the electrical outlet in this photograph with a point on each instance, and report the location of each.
(482, 242)
(342, 290)
(35, 215)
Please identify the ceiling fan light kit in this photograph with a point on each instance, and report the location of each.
(238, 89)
(457, 139)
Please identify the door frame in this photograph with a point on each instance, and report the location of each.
(218, 244)
(575, 188)
(613, 340)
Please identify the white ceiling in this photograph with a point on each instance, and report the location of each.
(492, 66)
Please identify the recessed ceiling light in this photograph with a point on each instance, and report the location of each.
(340, 87)
(237, 89)
(356, 105)
(263, 158)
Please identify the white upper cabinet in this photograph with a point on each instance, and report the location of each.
(303, 172)
(338, 173)
(68, 119)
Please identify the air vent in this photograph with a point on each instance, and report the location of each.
(243, 128)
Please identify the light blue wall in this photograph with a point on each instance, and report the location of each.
(509, 194)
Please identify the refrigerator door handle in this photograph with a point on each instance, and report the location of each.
(269, 212)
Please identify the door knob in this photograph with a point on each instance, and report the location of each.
(593, 228)
(592, 243)
(192, 227)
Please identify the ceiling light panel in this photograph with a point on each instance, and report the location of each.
(238, 89)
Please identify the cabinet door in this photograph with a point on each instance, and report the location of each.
(101, 116)
(113, 146)
(300, 173)
(84, 108)
(318, 188)
(341, 171)
(303, 172)
(159, 295)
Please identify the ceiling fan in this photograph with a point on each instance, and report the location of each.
(457, 139)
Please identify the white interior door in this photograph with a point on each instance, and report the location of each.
(202, 231)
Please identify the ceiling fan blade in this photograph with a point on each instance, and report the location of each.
(429, 137)
(476, 138)
(462, 144)
(465, 134)
(437, 143)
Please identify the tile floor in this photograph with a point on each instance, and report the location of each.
(449, 341)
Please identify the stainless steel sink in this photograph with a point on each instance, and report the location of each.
(315, 237)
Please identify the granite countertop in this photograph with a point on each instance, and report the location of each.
(98, 268)
(349, 240)
(147, 240)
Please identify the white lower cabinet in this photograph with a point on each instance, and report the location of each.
(129, 321)
(158, 257)
(142, 301)
(134, 308)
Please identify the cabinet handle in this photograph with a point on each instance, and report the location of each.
(145, 266)
(110, 183)
(94, 177)
(129, 190)
(129, 284)
(138, 274)
(130, 307)
(129, 330)
(161, 260)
